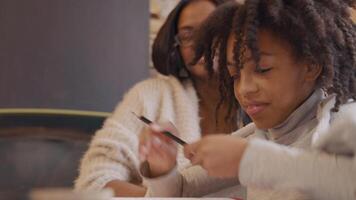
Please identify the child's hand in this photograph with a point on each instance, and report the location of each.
(220, 155)
(158, 150)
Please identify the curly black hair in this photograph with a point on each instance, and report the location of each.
(211, 40)
(320, 32)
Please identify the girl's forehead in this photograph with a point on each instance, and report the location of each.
(268, 43)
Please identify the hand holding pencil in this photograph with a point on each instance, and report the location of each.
(219, 154)
(157, 150)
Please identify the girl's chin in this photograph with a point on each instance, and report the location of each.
(263, 124)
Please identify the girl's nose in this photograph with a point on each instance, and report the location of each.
(246, 84)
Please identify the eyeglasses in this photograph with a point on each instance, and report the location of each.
(184, 38)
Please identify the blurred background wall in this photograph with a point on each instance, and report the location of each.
(63, 54)
(81, 54)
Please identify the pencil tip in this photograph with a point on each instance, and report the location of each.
(135, 114)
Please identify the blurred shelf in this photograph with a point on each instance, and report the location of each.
(59, 118)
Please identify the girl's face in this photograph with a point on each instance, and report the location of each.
(189, 20)
(270, 95)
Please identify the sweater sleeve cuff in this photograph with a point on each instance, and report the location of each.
(162, 186)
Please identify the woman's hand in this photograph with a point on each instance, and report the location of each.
(220, 155)
(157, 149)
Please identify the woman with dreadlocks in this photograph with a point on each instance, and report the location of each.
(291, 66)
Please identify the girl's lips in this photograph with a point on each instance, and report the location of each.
(252, 110)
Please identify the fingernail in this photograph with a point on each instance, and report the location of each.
(156, 128)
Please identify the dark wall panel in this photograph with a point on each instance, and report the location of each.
(73, 54)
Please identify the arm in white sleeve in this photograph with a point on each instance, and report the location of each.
(112, 154)
(321, 175)
(191, 182)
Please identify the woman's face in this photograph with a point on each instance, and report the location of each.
(189, 20)
(270, 95)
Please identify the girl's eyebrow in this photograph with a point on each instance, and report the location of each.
(262, 53)
(230, 64)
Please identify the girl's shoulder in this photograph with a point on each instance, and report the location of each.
(335, 132)
(347, 108)
(346, 111)
(327, 104)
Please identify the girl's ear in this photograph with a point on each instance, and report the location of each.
(313, 71)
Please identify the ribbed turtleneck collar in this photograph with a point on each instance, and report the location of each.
(285, 132)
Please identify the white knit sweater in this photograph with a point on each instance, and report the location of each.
(319, 163)
(113, 152)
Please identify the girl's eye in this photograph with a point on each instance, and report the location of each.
(262, 70)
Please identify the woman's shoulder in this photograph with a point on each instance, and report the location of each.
(159, 82)
(147, 97)
(152, 85)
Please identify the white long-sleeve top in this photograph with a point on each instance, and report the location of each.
(113, 152)
(309, 156)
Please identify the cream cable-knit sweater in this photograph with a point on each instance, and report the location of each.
(113, 152)
(319, 163)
